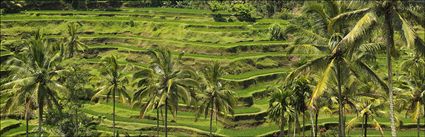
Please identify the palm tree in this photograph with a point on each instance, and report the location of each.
(279, 106)
(148, 93)
(34, 77)
(369, 108)
(327, 38)
(115, 83)
(214, 97)
(174, 81)
(413, 78)
(72, 41)
(392, 14)
(301, 91)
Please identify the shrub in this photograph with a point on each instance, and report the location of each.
(275, 31)
(244, 11)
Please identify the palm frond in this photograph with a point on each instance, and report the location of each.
(322, 83)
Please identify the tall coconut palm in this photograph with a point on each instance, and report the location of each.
(73, 42)
(214, 97)
(174, 81)
(386, 15)
(34, 74)
(279, 106)
(114, 83)
(324, 37)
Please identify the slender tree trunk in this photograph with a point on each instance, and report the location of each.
(157, 120)
(312, 131)
(289, 126)
(40, 115)
(76, 122)
(341, 131)
(418, 122)
(297, 124)
(390, 43)
(316, 123)
(303, 129)
(113, 109)
(166, 116)
(365, 124)
(282, 125)
(26, 118)
(211, 117)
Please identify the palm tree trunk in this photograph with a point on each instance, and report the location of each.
(418, 122)
(389, 32)
(341, 131)
(211, 117)
(40, 115)
(282, 125)
(157, 119)
(26, 119)
(312, 131)
(166, 116)
(303, 128)
(365, 124)
(113, 110)
(76, 122)
(297, 124)
(316, 123)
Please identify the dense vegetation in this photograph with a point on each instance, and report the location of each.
(212, 68)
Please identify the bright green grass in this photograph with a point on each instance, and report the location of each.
(21, 17)
(245, 110)
(254, 88)
(173, 10)
(256, 73)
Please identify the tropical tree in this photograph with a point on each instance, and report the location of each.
(214, 97)
(325, 38)
(301, 91)
(279, 106)
(148, 93)
(73, 42)
(114, 83)
(368, 108)
(385, 15)
(34, 74)
(175, 81)
(413, 80)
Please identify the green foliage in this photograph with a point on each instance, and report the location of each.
(276, 32)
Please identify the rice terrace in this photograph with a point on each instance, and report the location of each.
(223, 68)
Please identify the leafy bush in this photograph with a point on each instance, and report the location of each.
(275, 31)
(244, 11)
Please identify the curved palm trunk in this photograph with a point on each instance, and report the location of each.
(389, 32)
(365, 125)
(166, 116)
(113, 110)
(340, 103)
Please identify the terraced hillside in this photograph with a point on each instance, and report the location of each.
(252, 60)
